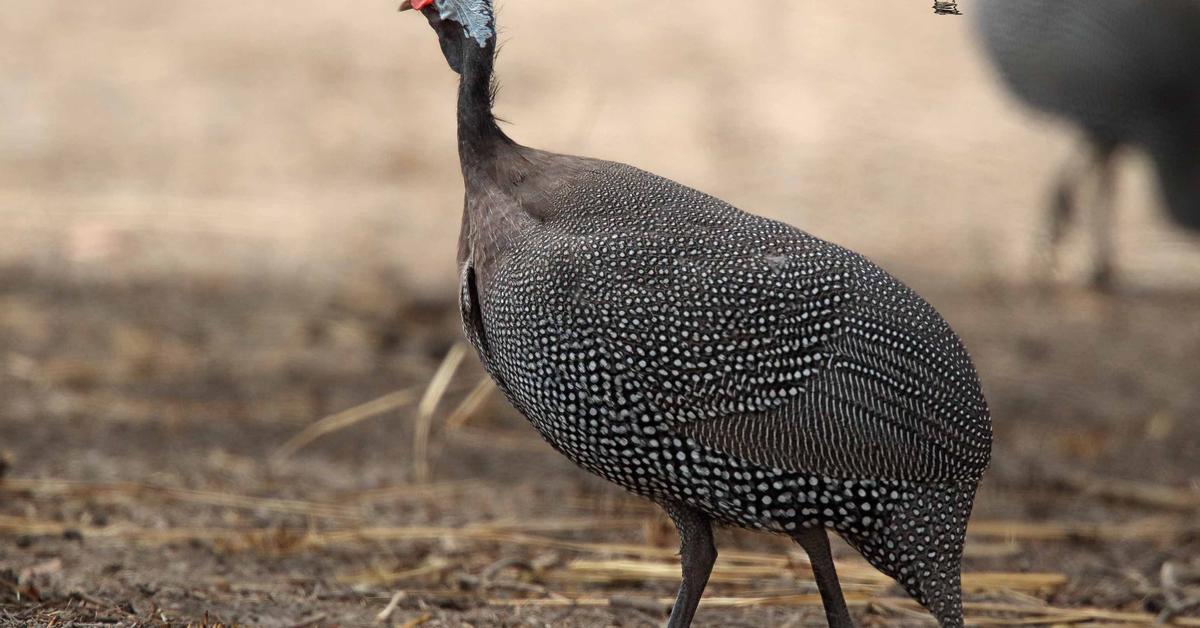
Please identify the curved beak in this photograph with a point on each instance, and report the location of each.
(406, 5)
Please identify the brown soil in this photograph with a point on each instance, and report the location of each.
(140, 419)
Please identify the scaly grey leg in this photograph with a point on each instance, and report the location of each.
(697, 555)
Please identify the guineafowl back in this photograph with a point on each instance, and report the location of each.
(1126, 69)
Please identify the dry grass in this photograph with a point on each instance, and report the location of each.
(344, 521)
(343, 420)
(550, 563)
(744, 578)
(429, 403)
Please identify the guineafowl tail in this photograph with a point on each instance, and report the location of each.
(921, 545)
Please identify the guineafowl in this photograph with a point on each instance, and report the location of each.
(1127, 72)
(732, 369)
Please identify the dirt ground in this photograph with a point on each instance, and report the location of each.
(142, 422)
(226, 225)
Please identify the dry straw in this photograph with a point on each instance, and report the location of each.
(429, 402)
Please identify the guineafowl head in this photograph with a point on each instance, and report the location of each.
(458, 23)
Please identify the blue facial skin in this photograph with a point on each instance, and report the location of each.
(474, 15)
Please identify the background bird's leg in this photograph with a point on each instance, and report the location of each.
(1063, 205)
(697, 555)
(1104, 268)
(815, 542)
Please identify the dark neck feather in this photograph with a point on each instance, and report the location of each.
(479, 138)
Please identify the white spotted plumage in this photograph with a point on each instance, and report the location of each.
(689, 351)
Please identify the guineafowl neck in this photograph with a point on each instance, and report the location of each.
(479, 138)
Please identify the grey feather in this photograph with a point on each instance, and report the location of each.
(474, 15)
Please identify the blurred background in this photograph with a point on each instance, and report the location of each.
(227, 282)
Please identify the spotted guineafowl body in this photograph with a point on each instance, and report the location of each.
(1127, 72)
(728, 367)
(689, 351)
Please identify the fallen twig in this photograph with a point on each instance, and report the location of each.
(417, 621)
(429, 401)
(467, 407)
(343, 420)
(387, 611)
(434, 565)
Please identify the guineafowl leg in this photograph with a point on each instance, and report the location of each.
(1104, 270)
(816, 544)
(1062, 211)
(697, 555)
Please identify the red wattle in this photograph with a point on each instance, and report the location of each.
(421, 4)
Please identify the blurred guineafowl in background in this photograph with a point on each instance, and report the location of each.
(1128, 73)
(730, 368)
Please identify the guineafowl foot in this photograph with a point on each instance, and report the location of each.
(697, 555)
(815, 542)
